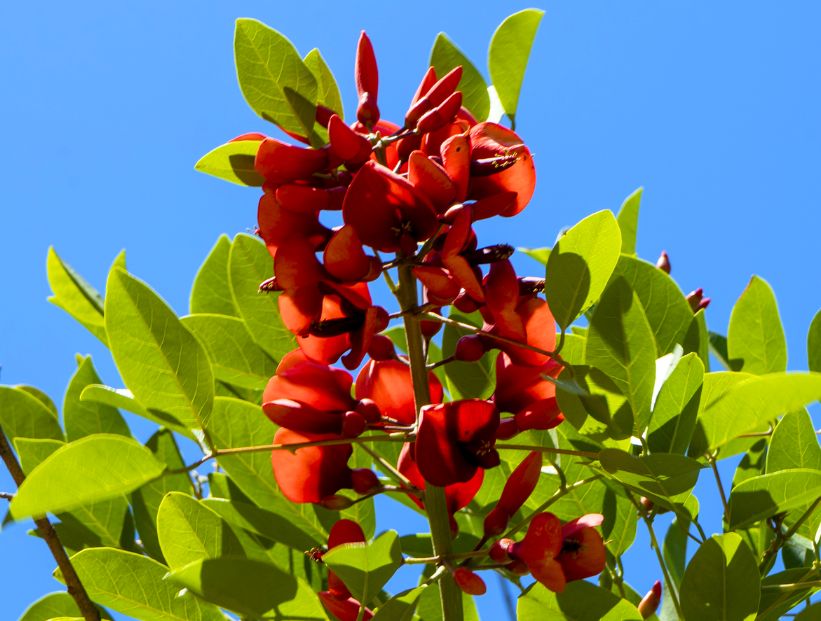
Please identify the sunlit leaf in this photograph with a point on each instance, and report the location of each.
(211, 291)
(676, 408)
(628, 218)
(446, 56)
(814, 344)
(24, 416)
(232, 161)
(580, 601)
(764, 496)
(755, 338)
(326, 82)
(365, 568)
(83, 418)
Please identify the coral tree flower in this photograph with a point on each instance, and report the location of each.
(456, 439)
(390, 385)
(518, 488)
(524, 391)
(583, 554)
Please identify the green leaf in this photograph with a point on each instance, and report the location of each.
(755, 338)
(74, 295)
(794, 444)
(508, 55)
(620, 343)
(234, 162)
(85, 471)
(697, 338)
(33, 451)
(51, 606)
(146, 500)
(540, 255)
(763, 496)
(446, 56)
(365, 568)
(42, 398)
(135, 586)
(676, 408)
(83, 418)
(580, 265)
(267, 64)
(24, 416)
(400, 607)
(628, 218)
(250, 264)
(718, 347)
(123, 399)
(721, 581)
(662, 477)
(467, 379)
(250, 587)
(748, 404)
(162, 363)
(326, 82)
(674, 549)
(235, 357)
(580, 601)
(667, 311)
(814, 344)
(238, 423)
(189, 531)
(211, 292)
(775, 602)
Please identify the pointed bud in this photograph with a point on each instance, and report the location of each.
(367, 82)
(369, 410)
(441, 115)
(696, 300)
(663, 262)
(469, 582)
(650, 603)
(382, 348)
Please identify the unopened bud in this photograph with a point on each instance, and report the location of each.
(469, 582)
(353, 424)
(496, 521)
(469, 348)
(697, 301)
(650, 602)
(381, 348)
(646, 504)
(336, 502)
(364, 480)
(369, 410)
(663, 262)
(499, 549)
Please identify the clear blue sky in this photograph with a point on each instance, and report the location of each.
(715, 108)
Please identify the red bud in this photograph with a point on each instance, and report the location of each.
(367, 82)
(369, 410)
(650, 602)
(663, 262)
(469, 582)
(499, 549)
(469, 348)
(364, 480)
(440, 115)
(496, 521)
(382, 348)
(353, 424)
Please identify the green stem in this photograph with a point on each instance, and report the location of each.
(435, 502)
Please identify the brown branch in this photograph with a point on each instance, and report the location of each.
(47, 532)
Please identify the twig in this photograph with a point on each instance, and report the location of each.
(7, 496)
(712, 461)
(388, 468)
(73, 584)
(780, 538)
(549, 449)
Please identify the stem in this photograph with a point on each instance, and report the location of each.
(427, 560)
(793, 586)
(47, 532)
(780, 538)
(712, 461)
(388, 467)
(435, 502)
(549, 449)
(671, 589)
(264, 448)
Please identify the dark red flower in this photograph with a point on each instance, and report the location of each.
(583, 554)
(343, 531)
(518, 488)
(389, 384)
(280, 162)
(344, 609)
(539, 549)
(524, 391)
(456, 439)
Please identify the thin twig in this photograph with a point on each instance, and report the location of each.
(712, 461)
(73, 584)
(6, 496)
(388, 467)
(549, 449)
(780, 539)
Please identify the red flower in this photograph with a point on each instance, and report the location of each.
(583, 554)
(343, 531)
(518, 488)
(523, 391)
(367, 82)
(281, 163)
(539, 549)
(344, 609)
(469, 582)
(389, 384)
(311, 473)
(386, 211)
(456, 439)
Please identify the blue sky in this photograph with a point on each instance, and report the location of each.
(105, 107)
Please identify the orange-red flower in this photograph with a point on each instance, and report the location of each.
(389, 384)
(524, 391)
(518, 488)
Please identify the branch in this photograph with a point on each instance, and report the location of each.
(712, 461)
(549, 449)
(47, 532)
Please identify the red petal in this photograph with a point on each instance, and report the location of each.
(521, 483)
(296, 265)
(318, 385)
(343, 609)
(455, 152)
(280, 162)
(388, 383)
(517, 386)
(366, 73)
(349, 146)
(311, 473)
(442, 289)
(278, 225)
(585, 556)
(299, 308)
(344, 257)
(345, 531)
(304, 199)
(543, 540)
(549, 573)
(432, 180)
(301, 417)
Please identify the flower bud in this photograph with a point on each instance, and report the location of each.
(496, 521)
(369, 410)
(364, 480)
(663, 262)
(469, 348)
(353, 424)
(650, 603)
(646, 504)
(499, 549)
(336, 502)
(696, 300)
(469, 581)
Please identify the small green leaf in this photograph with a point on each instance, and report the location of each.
(211, 291)
(776, 602)
(667, 311)
(249, 587)
(755, 338)
(580, 265)
(580, 601)
(135, 586)
(234, 162)
(400, 607)
(123, 399)
(794, 444)
(189, 531)
(83, 418)
(508, 55)
(748, 403)
(267, 64)
(676, 408)
(620, 343)
(24, 416)
(537, 254)
(444, 57)
(74, 295)
(763, 496)
(250, 264)
(160, 360)
(365, 568)
(628, 218)
(721, 582)
(467, 379)
(665, 478)
(326, 82)
(235, 357)
(814, 344)
(83, 472)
